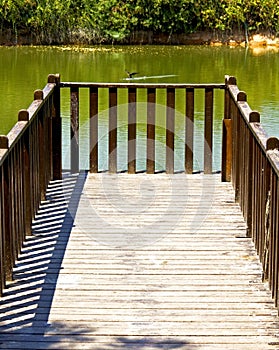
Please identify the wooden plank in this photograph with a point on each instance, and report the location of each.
(135, 344)
(156, 329)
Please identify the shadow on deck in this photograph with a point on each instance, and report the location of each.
(26, 305)
(169, 282)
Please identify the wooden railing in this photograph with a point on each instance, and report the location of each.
(151, 92)
(30, 155)
(251, 162)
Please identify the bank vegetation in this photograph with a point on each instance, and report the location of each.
(134, 21)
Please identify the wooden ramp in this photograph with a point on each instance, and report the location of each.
(138, 262)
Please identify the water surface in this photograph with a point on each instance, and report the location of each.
(24, 69)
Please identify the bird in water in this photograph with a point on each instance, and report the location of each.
(131, 74)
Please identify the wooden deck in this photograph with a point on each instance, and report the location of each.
(139, 262)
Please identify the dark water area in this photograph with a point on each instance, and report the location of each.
(24, 69)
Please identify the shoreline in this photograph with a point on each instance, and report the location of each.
(236, 39)
(207, 38)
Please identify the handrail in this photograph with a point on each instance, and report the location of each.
(30, 155)
(251, 162)
(29, 158)
(151, 90)
(142, 85)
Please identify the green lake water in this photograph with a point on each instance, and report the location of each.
(24, 69)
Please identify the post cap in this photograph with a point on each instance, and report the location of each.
(272, 143)
(241, 96)
(230, 80)
(23, 115)
(53, 78)
(4, 142)
(254, 117)
(38, 95)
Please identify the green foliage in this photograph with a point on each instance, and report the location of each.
(57, 21)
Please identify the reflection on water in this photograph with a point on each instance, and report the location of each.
(24, 69)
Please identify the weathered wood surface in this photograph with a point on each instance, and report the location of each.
(139, 262)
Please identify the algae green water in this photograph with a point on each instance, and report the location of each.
(24, 69)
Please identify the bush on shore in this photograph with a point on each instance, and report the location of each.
(104, 21)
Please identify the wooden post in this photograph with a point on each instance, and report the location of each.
(112, 130)
(38, 96)
(227, 150)
(272, 215)
(189, 132)
(35, 166)
(7, 209)
(229, 80)
(170, 124)
(2, 237)
(208, 130)
(150, 148)
(254, 117)
(7, 229)
(56, 129)
(227, 132)
(15, 194)
(273, 261)
(74, 130)
(238, 135)
(93, 129)
(23, 115)
(132, 130)
(27, 186)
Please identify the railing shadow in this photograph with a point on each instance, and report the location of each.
(27, 301)
(151, 343)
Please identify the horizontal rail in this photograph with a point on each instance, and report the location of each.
(27, 163)
(132, 137)
(141, 85)
(251, 161)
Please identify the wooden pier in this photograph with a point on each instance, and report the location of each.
(113, 260)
